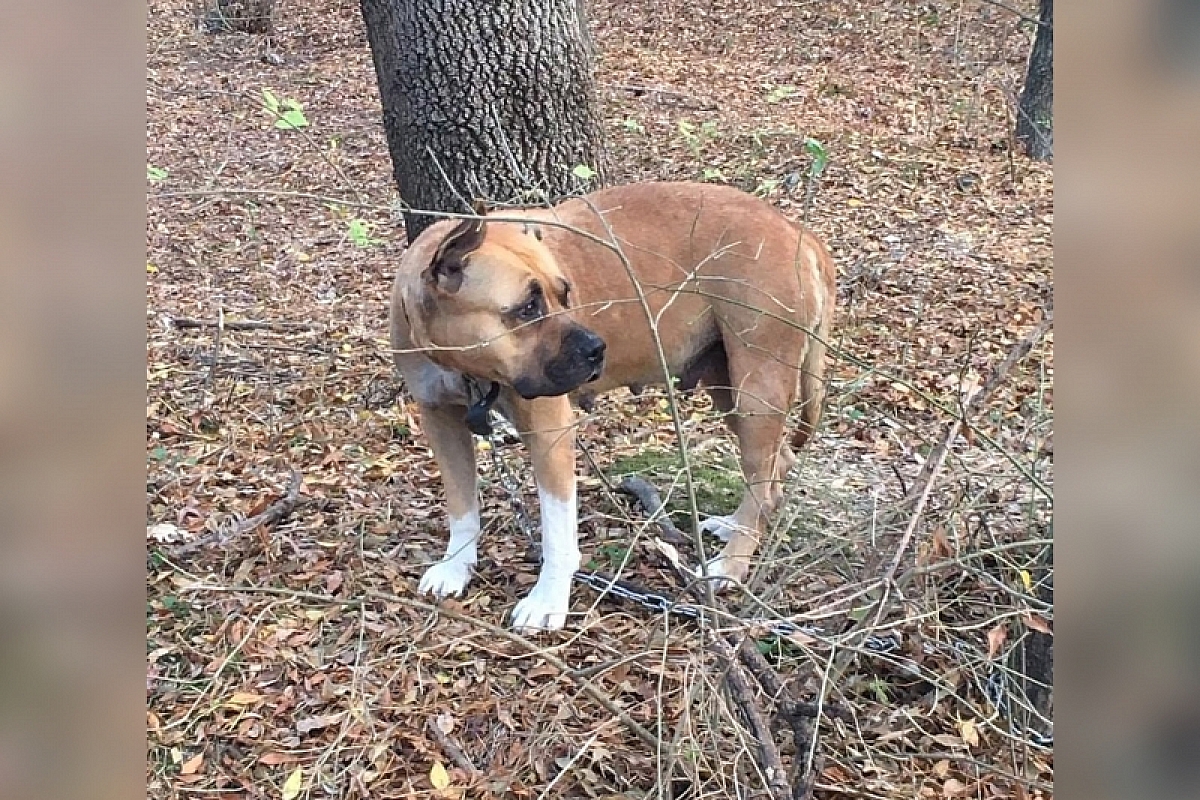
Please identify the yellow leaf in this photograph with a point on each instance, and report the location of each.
(438, 776)
(854, 202)
(291, 787)
(150, 268)
(1027, 580)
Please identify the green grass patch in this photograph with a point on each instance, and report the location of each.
(719, 485)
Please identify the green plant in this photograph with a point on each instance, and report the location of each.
(631, 124)
(583, 172)
(359, 232)
(697, 138)
(713, 174)
(614, 554)
(820, 157)
(288, 113)
(155, 174)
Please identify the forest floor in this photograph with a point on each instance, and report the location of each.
(295, 659)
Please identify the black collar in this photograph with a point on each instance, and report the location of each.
(481, 403)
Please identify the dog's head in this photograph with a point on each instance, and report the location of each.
(492, 303)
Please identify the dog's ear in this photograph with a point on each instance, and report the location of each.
(445, 270)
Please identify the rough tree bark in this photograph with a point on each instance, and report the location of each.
(490, 99)
(1035, 117)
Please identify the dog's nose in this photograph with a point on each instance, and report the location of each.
(593, 349)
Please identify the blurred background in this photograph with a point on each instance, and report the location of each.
(72, 377)
(1127, 252)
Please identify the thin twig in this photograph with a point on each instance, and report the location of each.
(235, 192)
(1019, 13)
(975, 404)
(240, 324)
(216, 356)
(933, 465)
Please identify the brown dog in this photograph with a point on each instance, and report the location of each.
(535, 304)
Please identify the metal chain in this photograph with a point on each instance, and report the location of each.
(994, 688)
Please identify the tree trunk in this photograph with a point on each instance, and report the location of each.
(490, 99)
(1035, 117)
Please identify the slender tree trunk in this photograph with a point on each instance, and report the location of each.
(489, 99)
(1035, 117)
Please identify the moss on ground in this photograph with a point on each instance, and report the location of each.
(719, 485)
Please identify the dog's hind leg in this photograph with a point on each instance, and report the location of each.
(762, 388)
(454, 451)
(547, 425)
(759, 437)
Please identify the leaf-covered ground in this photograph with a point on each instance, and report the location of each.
(294, 659)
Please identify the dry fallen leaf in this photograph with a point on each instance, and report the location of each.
(970, 733)
(275, 758)
(1038, 623)
(941, 545)
(996, 638)
(243, 698)
(953, 788)
(192, 764)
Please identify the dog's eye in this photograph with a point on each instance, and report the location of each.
(531, 310)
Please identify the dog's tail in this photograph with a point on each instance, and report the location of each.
(812, 384)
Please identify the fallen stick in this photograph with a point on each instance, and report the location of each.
(273, 513)
(240, 324)
(735, 678)
(277, 510)
(452, 750)
(652, 503)
(795, 713)
(743, 696)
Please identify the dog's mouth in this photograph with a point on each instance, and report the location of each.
(579, 360)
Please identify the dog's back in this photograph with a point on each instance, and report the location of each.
(716, 267)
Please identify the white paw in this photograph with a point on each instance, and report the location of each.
(721, 527)
(446, 578)
(543, 609)
(726, 573)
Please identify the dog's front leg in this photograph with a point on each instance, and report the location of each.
(455, 454)
(548, 428)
